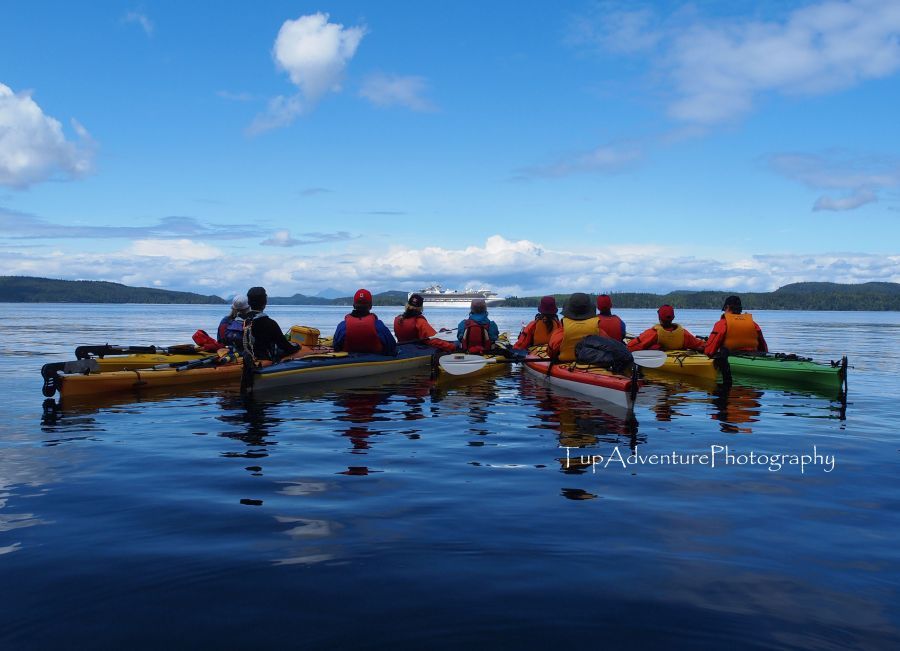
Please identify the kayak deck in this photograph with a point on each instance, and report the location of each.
(586, 380)
(802, 372)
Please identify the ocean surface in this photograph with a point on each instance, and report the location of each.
(406, 515)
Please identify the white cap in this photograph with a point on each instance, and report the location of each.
(240, 304)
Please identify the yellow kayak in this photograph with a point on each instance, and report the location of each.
(688, 363)
(121, 358)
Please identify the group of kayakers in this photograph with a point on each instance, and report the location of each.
(736, 330)
(248, 327)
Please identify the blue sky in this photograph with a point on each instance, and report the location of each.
(526, 147)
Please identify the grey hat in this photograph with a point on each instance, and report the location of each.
(240, 304)
(579, 307)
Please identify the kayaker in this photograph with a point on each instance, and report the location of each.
(579, 320)
(666, 335)
(231, 327)
(477, 333)
(736, 330)
(539, 331)
(610, 325)
(264, 339)
(413, 326)
(361, 331)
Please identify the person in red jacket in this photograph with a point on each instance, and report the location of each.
(363, 332)
(412, 326)
(610, 325)
(666, 335)
(735, 331)
(539, 331)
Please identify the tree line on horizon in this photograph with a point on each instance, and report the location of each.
(873, 296)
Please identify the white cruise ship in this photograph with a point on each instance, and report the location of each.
(436, 296)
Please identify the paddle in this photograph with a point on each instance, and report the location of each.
(85, 352)
(465, 364)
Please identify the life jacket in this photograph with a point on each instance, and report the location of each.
(205, 342)
(573, 332)
(740, 333)
(611, 326)
(669, 339)
(361, 335)
(234, 334)
(476, 339)
(407, 329)
(542, 333)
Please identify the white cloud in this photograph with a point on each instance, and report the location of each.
(859, 179)
(33, 147)
(314, 53)
(606, 159)
(395, 90)
(140, 19)
(519, 267)
(716, 70)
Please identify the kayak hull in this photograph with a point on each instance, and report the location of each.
(410, 358)
(595, 383)
(801, 373)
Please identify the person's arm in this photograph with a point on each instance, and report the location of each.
(691, 342)
(425, 329)
(388, 343)
(461, 331)
(644, 341)
(281, 342)
(223, 326)
(760, 340)
(555, 343)
(526, 337)
(622, 338)
(493, 331)
(340, 332)
(716, 337)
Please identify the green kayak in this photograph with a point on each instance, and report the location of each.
(791, 370)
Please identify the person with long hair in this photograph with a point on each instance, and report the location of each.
(541, 328)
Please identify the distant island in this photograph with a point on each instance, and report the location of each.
(873, 296)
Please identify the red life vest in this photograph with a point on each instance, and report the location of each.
(407, 329)
(476, 339)
(361, 336)
(611, 326)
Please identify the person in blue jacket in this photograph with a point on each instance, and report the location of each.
(363, 332)
(477, 334)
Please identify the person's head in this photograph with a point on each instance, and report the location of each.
(257, 299)
(362, 300)
(666, 314)
(239, 306)
(604, 304)
(579, 307)
(414, 303)
(478, 306)
(732, 304)
(547, 306)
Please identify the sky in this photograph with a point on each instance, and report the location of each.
(521, 146)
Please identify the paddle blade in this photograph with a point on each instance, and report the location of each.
(649, 358)
(462, 364)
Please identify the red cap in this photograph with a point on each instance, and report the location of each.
(666, 313)
(604, 302)
(363, 297)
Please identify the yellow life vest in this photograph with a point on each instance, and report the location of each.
(573, 332)
(542, 332)
(669, 339)
(740, 332)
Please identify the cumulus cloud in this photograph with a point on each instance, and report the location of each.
(314, 53)
(520, 267)
(141, 19)
(33, 147)
(857, 179)
(284, 238)
(395, 90)
(716, 70)
(607, 159)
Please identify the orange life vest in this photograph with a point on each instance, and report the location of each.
(669, 339)
(573, 332)
(740, 332)
(611, 326)
(361, 336)
(542, 332)
(407, 329)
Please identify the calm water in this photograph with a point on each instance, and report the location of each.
(410, 516)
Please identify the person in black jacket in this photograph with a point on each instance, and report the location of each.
(264, 338)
